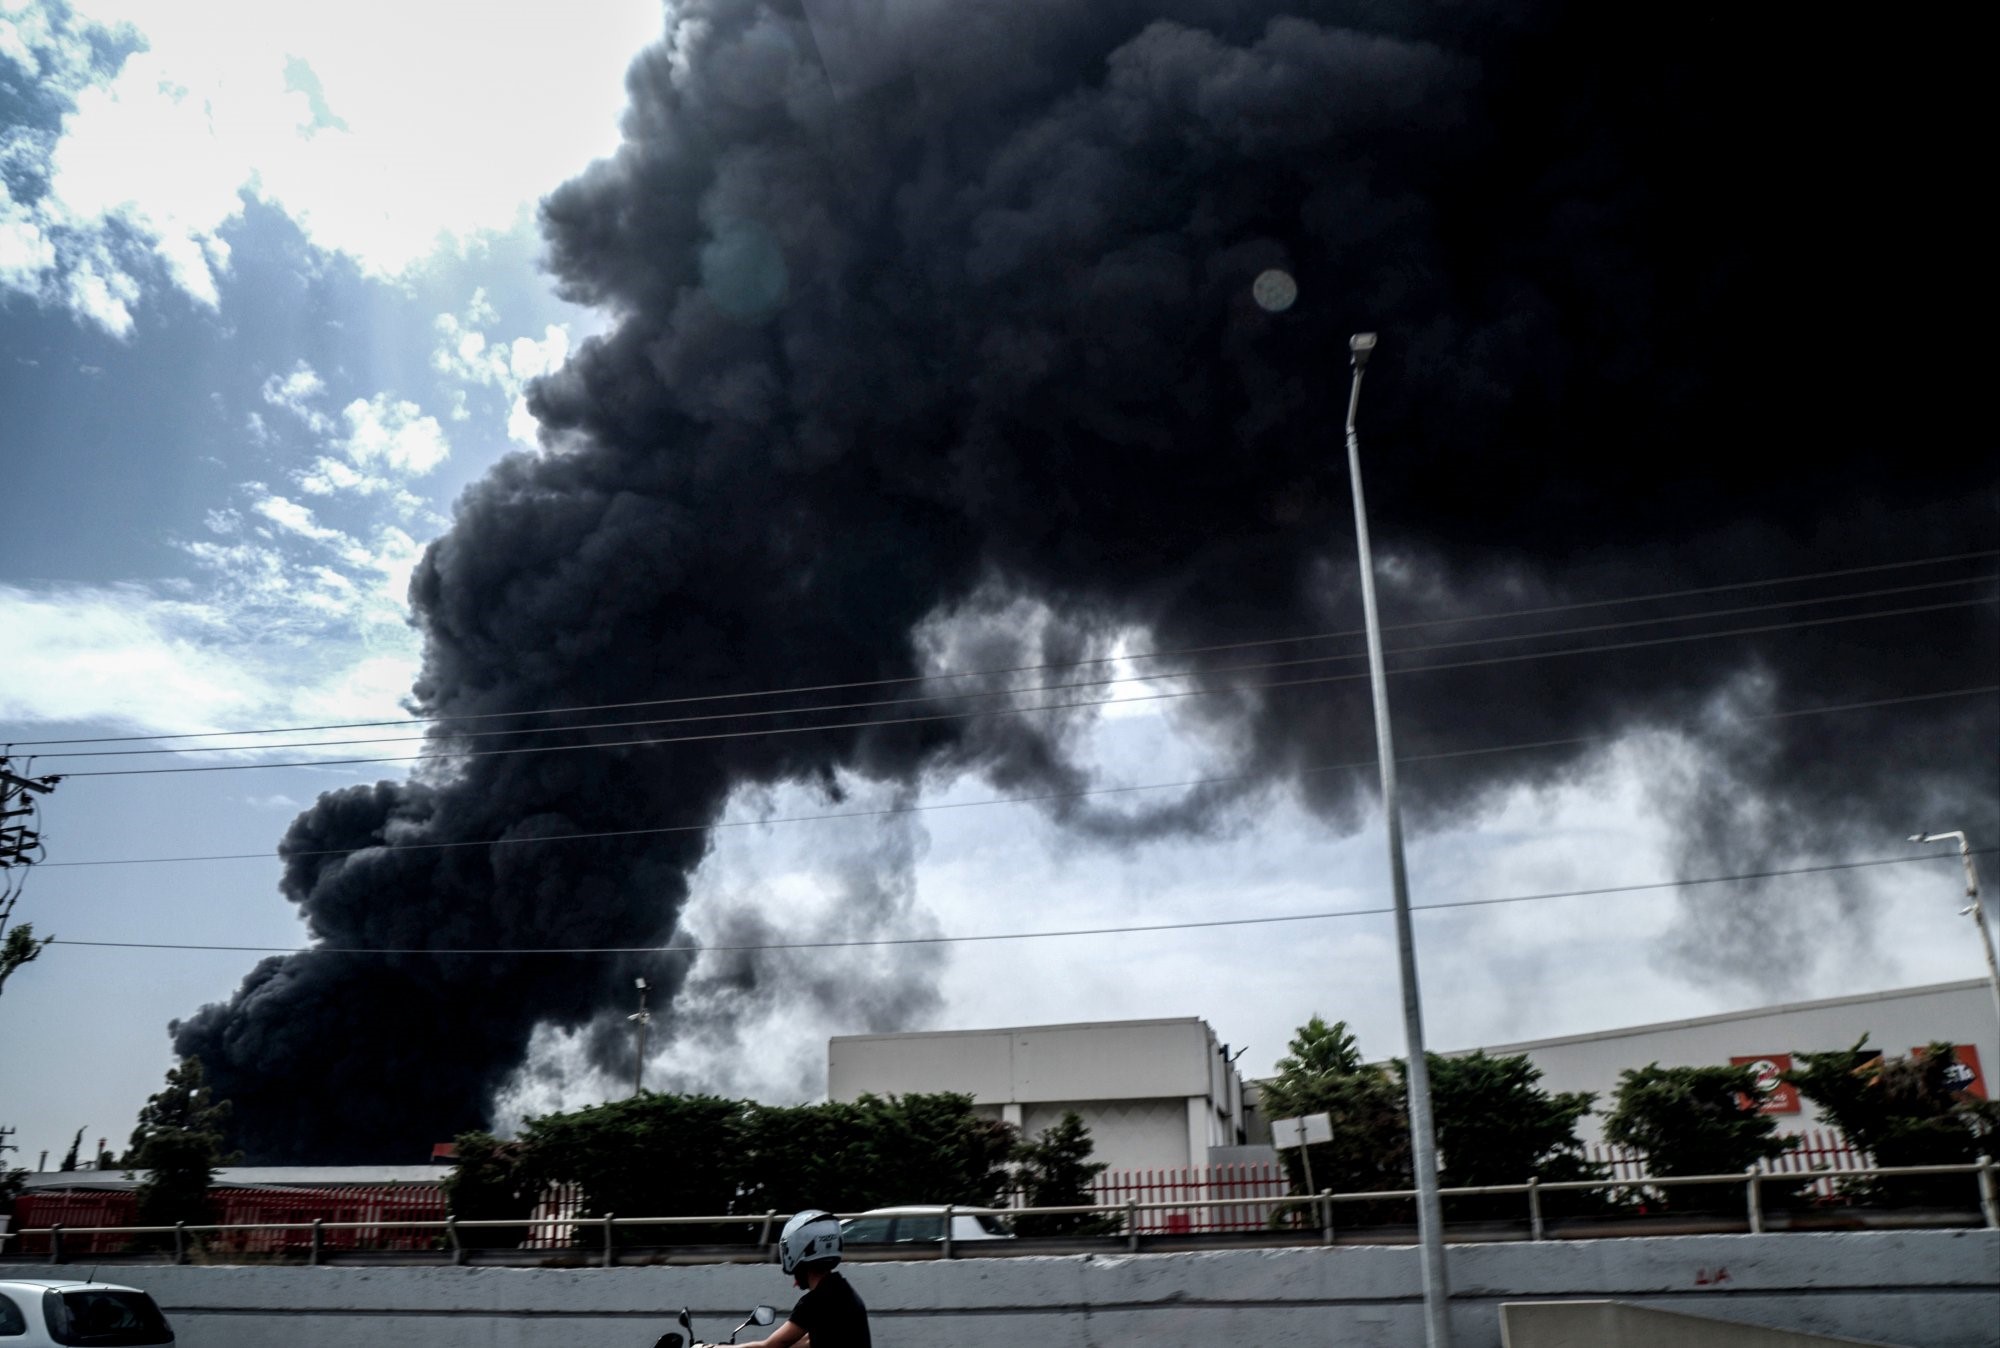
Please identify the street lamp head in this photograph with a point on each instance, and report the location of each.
(1919, 837)
(1361, 343)
(640, 983)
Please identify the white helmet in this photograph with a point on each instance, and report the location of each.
(808, 1238)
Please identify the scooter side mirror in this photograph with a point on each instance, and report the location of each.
(763, 1315)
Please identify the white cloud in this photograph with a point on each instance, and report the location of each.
(376, 443)
(296, 518)
(393, 434)
(119, 653)
(385, 128)
(286, 619)
(296, 392)
(465, 353)
(25, 251)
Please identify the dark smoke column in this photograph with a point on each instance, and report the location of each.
(933, 321)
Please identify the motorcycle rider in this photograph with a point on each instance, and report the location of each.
(830, 1314)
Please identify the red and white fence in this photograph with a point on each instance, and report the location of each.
(383, 1211)
(559, 1208)
(1820, 1151)
(1197, 1184)
(381, 1208)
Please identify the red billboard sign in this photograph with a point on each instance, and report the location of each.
(1967, 1079)
(1778, 1097)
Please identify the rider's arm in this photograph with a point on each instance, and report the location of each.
(787, 1335)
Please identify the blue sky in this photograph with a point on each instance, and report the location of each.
(269, 299)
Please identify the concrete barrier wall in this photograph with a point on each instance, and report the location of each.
(1928, 1289)
(1609, 1324)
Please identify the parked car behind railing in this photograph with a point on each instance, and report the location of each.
(44, 1312)
(919, 1224)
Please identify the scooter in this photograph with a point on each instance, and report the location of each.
(684, 1336)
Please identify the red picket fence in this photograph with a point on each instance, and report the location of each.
(1820, 1151)
(560, 1204)
(1195, 1184)
(71, 1208)
(384, 1209)
(382, 1206)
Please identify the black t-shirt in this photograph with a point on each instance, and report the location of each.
(833, 1315)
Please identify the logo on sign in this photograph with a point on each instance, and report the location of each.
(1963, 1076)
(1769, 1068)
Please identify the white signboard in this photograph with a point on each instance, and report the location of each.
(1306, 1130)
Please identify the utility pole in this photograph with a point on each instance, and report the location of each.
(20, 840)
(1973, 906)
(642, 1018)
(1423, 1133)
(20, 848)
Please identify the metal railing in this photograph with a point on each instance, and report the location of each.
(1285, 1213)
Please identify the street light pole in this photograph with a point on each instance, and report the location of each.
(642, 1018)
(1423, 1133)
(1974, 907)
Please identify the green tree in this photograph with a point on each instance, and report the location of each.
(1055, 1172)
(943, 1148)
(1903, 1111)
(1697, 1121)
(20, 947)
(873, 1152)
(178, 1143)
(488, 1183)
(1496, 1125)
(69, 1160)
(648, 1156)
(684, 1155)
(1370, 1149)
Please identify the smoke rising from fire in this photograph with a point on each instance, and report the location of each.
(935, 348)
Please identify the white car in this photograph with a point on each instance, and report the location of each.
(919, 1224)
(45, 1312)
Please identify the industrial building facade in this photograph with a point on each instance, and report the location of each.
(1154, 1093)
(1896, 1022)
(1164, 1093)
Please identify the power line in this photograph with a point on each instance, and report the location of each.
(924, 698)
(880, 722)
(984, 937)
(1037, 798)
(1506, 615)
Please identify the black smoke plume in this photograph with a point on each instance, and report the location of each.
(932, 314)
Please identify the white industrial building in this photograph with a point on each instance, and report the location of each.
(1154, 1093)
(1896, 1022)
(1162, 1094)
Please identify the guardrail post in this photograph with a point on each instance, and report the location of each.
(1989, 1204)
(1754, 1192)
(318, 1241)
(1132, 1225)
(1325, 1206)
(609, 1248)
(1536, 1231)
(180, 1242)
(949, 1208)
(457, 1245)
(55, 1243)
(764, 1236)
